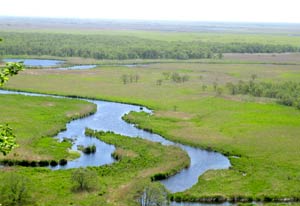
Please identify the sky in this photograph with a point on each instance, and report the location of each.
(184, 10)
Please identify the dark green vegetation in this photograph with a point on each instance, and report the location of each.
(287, 93)
(263, 134)
(106, 46)
(88, 150)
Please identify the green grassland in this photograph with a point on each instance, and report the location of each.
(227, 37)
(116, 184)
(35, 120)
(262, 133)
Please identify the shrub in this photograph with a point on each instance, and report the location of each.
(83, 179)
(87, 150)
(33, 163)
(24, 163)
(154, 194)
(63, 162)
(15, 190)
(53, 163)
(44, 163)
(159, 176)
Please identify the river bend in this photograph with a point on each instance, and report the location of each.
(108, 117)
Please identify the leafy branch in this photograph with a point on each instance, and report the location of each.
(7, 138)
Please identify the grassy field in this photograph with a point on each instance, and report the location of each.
(285, 58)
(262, 133)
(35, 120)
(229, 58)
(227, 37)
(116, 184)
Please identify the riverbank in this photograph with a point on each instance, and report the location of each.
(119, 183)
(262, 133)
(34, 125)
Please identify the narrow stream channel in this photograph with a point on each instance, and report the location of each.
(108, 117)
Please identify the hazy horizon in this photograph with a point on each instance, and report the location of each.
(232, 11)
(149, 20)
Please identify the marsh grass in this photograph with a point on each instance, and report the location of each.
(116, 184)
(35, 120)
(262, 133)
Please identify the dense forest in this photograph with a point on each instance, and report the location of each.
(124, 47)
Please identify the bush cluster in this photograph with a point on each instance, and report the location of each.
(286, 93)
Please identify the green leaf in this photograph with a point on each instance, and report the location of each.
(7, 139)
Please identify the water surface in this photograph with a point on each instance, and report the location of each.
(79, 67)
(37, 62)
(108, 117)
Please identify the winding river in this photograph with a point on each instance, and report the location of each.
(108, 117)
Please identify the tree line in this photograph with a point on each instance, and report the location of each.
(124, 47)
(286, 93)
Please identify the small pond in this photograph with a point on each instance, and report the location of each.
(37, 62)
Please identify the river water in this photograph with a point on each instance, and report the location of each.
(108, 117)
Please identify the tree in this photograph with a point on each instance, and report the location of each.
(219, 91)
(159, 82)
(176, 77)
(166, 75)
(83, 179)
(7, 138)
(253, 77)
(185, 78)
(220, 55)
(232, 88)
(154, 195)
(215, 86)
(136, 78)
(124, 78)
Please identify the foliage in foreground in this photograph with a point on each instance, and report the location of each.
(11, 69)
(7, 137)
